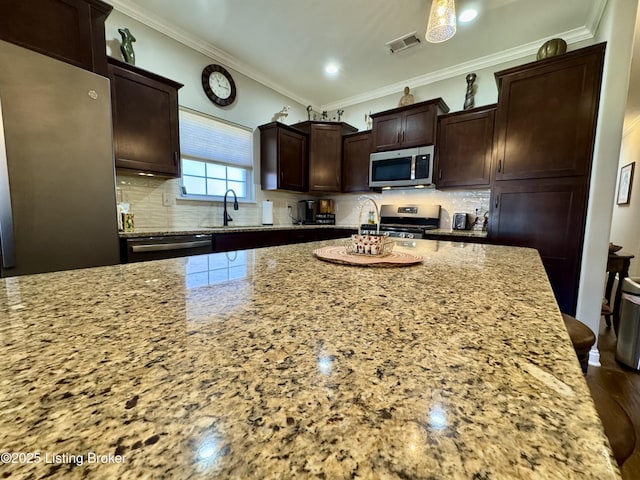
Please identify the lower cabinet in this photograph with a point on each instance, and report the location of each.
(268, 238)
(226, 242)
(547, 217)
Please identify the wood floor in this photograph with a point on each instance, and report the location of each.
(624, 385)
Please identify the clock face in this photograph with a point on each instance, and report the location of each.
(218, 85)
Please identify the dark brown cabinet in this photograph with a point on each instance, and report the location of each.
(464, 148)
(283, 158)
(325, 154)
(548, 216)
(545, 130)
(145, 120)
(268, 238)
(356, 148)
(406, 127)
(546, 116)
(69, 30)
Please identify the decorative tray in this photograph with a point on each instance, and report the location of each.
(338, 254)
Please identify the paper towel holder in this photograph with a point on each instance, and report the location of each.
(267, 212)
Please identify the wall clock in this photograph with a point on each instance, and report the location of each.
(218, 85)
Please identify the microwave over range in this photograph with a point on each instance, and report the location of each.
(402, 168)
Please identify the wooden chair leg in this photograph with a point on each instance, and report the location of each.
(606, 312)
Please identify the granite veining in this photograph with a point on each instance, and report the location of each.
(272, 364)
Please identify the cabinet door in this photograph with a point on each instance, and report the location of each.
(546, 116)
(464, 149)
(355, 162)
(386, 131)
(548, 217)
(419, 126)
(325, 158)
(292, 161)
(145, 123)
(69, 30)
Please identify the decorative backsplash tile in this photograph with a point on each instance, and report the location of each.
(147, 196)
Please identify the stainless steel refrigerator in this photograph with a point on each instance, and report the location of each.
(57, 176)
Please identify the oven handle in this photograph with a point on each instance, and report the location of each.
(160, 247)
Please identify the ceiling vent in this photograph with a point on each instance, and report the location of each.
(404, 42)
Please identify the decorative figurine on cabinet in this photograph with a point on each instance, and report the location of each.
(368, 121)
(309, 110)
(339, 113)
(282, 114)
(468, 98)
(407, 98)
(126, 47)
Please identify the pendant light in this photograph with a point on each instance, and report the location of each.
(442, 21)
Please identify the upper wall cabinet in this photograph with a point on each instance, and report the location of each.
(325, 154)
(464, 148)
(356, 148)
(283, 158)
(405, 127)
(546, 116)
(145, 120)
(69, 30)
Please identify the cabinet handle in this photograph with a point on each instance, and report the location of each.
(398, 137)
(175, 158)
(440, 174)
(497, 201)
(499, 165)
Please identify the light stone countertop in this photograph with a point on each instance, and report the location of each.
(270, 363)
(458, 233)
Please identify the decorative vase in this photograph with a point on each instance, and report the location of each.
(551, 48)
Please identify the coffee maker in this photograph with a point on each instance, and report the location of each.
(307, 212)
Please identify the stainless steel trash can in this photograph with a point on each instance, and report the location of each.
(628, 347)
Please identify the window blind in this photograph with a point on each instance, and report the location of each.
(206, 138)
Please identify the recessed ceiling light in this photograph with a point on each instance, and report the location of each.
(331, 69)
(467, 15)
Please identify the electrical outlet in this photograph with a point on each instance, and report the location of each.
(167, 199)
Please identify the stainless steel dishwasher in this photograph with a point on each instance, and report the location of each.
(140, 249)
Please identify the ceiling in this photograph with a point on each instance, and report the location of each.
(285, 44)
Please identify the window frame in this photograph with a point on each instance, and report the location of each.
(249, 171)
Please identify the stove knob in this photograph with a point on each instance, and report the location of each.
(409, 235)
(401, 234)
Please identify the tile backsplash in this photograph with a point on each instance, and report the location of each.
(451, 201)
(156, 203)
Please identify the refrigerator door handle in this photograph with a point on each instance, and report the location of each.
(7, 240)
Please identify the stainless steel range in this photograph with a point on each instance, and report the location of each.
(406, 221)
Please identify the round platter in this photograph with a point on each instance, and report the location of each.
(339, 255)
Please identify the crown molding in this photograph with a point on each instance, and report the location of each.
(596, 15)
(196, 43)
(519, 52)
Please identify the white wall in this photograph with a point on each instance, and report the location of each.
(625, 227)
(616, 28)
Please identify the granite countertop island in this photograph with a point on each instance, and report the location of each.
(270, 363)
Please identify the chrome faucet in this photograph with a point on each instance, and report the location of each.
(226, 217)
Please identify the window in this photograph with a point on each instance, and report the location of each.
(216, 156)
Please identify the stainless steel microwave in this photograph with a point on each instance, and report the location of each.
(402, 168)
